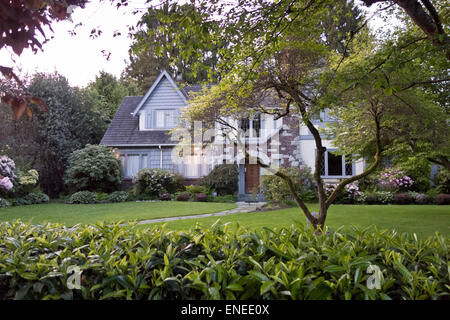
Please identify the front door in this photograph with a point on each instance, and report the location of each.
(251, 177)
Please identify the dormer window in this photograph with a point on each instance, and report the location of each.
(161, 119)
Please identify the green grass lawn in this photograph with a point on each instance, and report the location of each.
(419, 219)
(71, 214)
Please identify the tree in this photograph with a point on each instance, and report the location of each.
(19, 23)
(427, 17)
(69, 124)
(280, 51)
(107, 92)
(160, 26)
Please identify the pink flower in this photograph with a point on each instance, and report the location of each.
(5, 183)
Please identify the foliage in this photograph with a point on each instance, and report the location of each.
(26, 182)
(107, 92)
(30, 198)
(220, 262)
(394, 179)
(20, 20)
(119, 196)
(276, 190)
(94, 168)
(403, 198)
(101, 196)
(376, 197)
(224, 199)
(8, 168)
(422, 199)
(442, 199)
(196, 189)
(84, 197)
(201, 197)
(154, 30)
(223, 179)
(69, 125)
(4, 203)
(183, 196)
(154, 182)
(442, 180)
(165, 197)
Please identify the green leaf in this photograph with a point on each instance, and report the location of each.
(234, 287)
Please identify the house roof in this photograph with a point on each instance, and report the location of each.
(161, 76)
(124, 128)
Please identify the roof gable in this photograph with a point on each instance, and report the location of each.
(162, 75)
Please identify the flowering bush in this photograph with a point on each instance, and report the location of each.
(201, 197)
(378, 197)
(4, 203)
(352, 191)
(118, 196)
(394, 179)
(443, 199)
(5, 183)
(165, 197)
(154, 182)
(7, 168)
(183, 196)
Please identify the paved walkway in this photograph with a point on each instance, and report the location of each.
(241, 207)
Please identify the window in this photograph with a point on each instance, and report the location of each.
(132, 165)
(167, 159)
(164, 118)
(332, 165)
(252, 126)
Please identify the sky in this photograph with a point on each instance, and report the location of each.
(79, 58)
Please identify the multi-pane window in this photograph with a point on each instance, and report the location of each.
(332, 165)
(160, 119)
(167, 163)
(164, 118)
(252, 126)
(132, 165)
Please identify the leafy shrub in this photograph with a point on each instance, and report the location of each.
(422, 199)
(84, 197)
(223, 179)
(165, 197)
(201, 197)
(377, 197)
(4, 203)
(118, 196)
(227, 198)
(221, 262)
(183, 196)
(276, 190)
(154, 182)
(442, 181)
(26, 182)
(196, 189)
(442, 199)
(37, 197)
(94, 168)
(403, 198)
(101, 196)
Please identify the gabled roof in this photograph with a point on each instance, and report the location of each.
(124, 129)
(161, 76)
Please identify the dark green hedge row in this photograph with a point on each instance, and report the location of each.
(222, 262)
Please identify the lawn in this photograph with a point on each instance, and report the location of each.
(419, 219)
(71, 214)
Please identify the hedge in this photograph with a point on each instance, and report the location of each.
(221, 262)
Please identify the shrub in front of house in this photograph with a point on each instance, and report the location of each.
(442, 199)
(83, 197)
(4, 203)
(276, 190)
(376, 197)
(201, 197)
(196, 189)
(422, 199)
(403, 198)
(229, 198)
(223, 179)
(165, 197)
(94, 168)
(153, 182)
(30, 198)
(219, 262)
(184, 196)
(118, 196)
